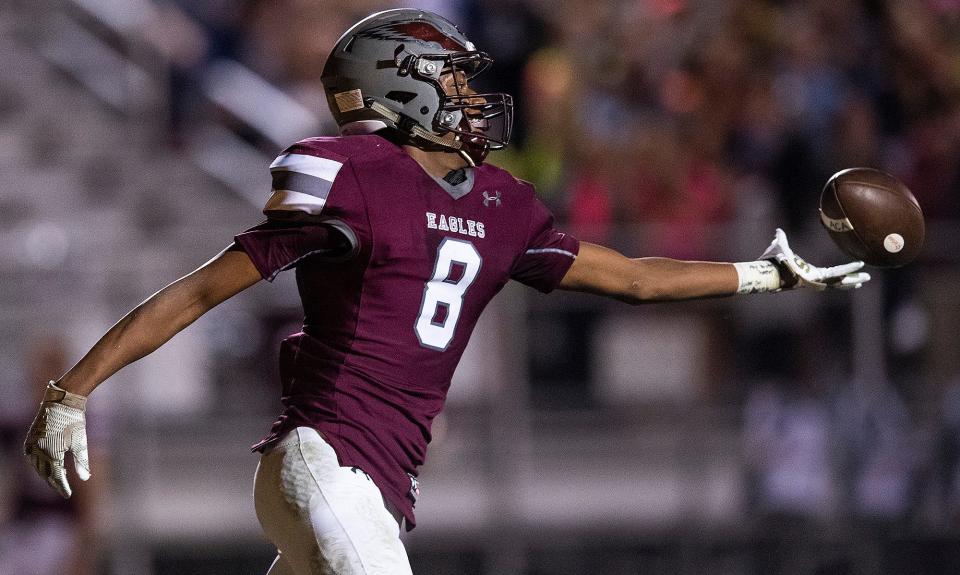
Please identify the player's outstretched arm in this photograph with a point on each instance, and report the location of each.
(603, 271)
(160, 317)
(60, 425)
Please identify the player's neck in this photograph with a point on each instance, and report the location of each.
(437, 164)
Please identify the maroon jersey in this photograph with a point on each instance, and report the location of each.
(393, 269)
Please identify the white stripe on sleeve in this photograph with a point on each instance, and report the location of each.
(551, 251)
(322, 168)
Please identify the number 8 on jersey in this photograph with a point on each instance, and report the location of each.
(443, 293)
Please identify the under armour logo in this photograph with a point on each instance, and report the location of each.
(487, 198)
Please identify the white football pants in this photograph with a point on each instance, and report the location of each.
(323, 518)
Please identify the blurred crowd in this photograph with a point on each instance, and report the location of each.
(676, 113)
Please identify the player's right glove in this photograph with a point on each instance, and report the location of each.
(779, 268)
(60, 426)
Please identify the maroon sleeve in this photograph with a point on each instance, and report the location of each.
(315, 210)
(274, 245)
(548, 253)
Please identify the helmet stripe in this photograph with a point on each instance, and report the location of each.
(415, 31)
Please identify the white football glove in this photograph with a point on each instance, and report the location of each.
(795, 272)
(60, 426)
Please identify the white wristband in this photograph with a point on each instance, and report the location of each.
(757, 277)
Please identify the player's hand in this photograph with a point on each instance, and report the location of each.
(60, 426)
(795, 272)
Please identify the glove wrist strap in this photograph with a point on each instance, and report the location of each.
(757, 277)
(56, 394)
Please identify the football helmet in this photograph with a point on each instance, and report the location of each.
(385, 72)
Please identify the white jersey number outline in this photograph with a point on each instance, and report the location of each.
(441, 291)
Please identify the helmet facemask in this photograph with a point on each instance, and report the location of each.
(480, 122)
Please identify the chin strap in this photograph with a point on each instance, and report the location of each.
(466, 157)
(417, 130)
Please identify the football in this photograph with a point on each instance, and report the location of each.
(873, 217)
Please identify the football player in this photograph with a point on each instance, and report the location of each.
(399, 235)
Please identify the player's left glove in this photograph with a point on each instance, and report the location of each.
(800, 274)
(779, 269)
(60, 426)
